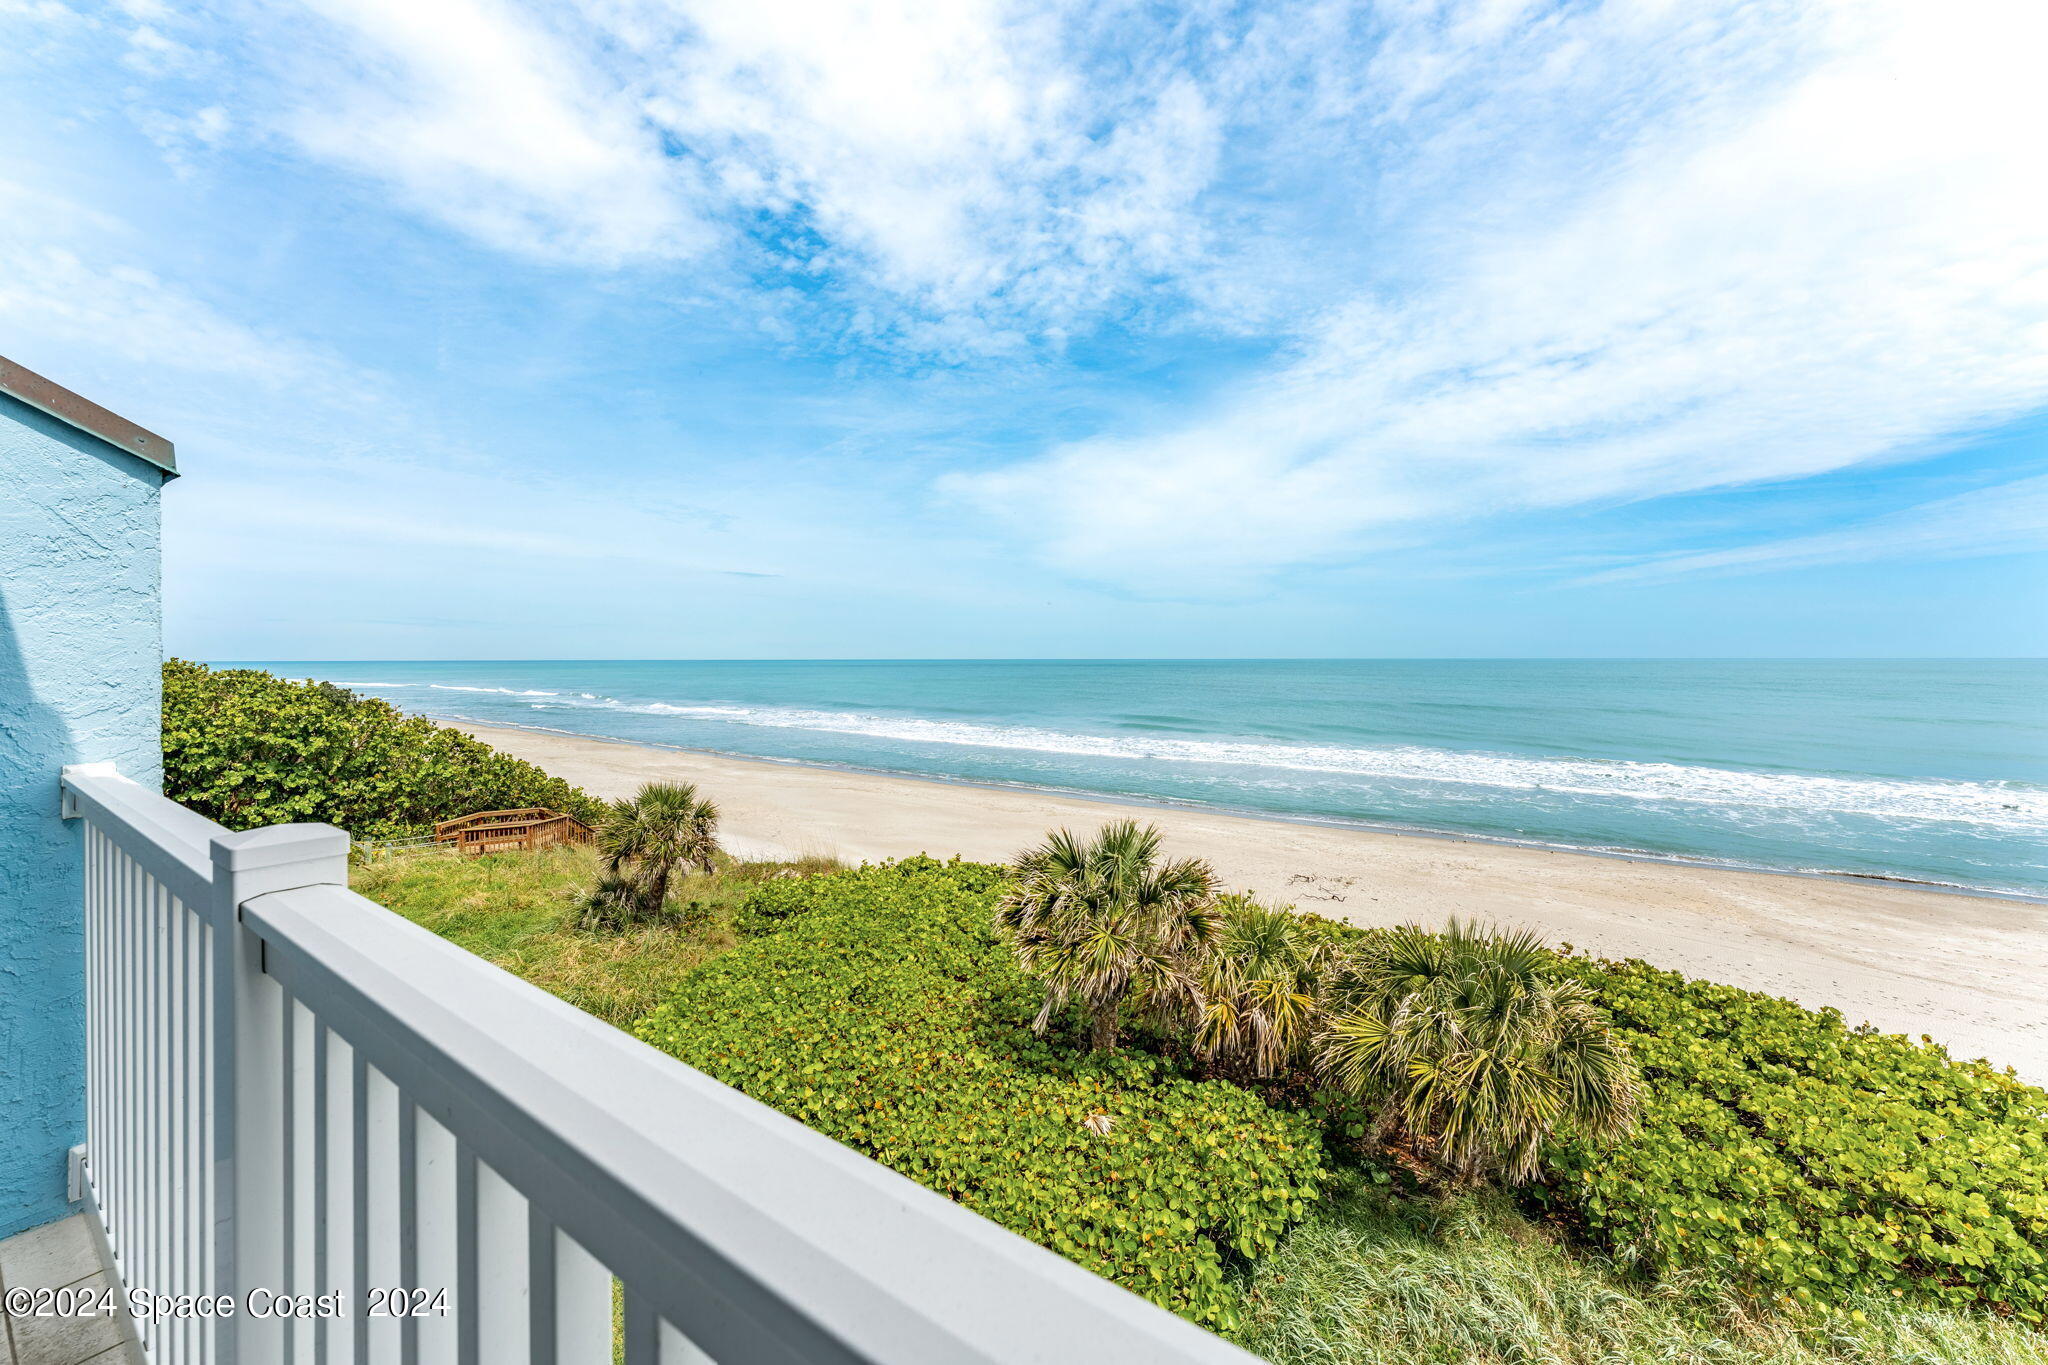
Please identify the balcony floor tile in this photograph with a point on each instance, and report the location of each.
(54, 1256)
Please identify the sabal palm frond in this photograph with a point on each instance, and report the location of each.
(1101, 920)
(1469, 1041)
(662, 827)
(1260, 985)
(612, 905)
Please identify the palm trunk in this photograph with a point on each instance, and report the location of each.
(1102, 1029)
(657, 889)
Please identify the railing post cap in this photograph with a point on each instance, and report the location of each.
(278, 845)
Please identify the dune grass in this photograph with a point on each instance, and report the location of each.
(518, 910)
(1374, 1279)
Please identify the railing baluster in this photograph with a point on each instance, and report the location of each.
(159, 1168)
(288, 1206)
(192, 1081)
(177, 1268)
(117, 1138)
(223, 1069)
(136, 890)
(259, 1138)
(344, 1176)
(359, 1219)
(302, 1036)
(381, 1209)
(504, 1283)
(131, 1146)
(212, 1333)
(583, 1305)
(437, 1223)
(95, 998)
(317, 1232)
(185, 1231)
(92, 991)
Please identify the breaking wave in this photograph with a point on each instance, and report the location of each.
(2016, 807)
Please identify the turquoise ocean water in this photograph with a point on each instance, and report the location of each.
(1928, 771)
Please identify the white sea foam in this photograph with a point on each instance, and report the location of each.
(2011, 807)
(501, 691)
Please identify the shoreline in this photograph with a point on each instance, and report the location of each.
(1964, 969)
(1632, 855)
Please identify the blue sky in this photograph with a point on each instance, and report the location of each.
(894, 330)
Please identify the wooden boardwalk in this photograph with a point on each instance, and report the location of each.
(501, 831)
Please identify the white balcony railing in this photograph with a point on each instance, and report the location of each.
(293, 1091)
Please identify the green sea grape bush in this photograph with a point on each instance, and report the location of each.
(1811, 1161)
(776, 903)
(884, 1011)
(248, 748)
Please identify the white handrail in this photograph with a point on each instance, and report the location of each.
(391, 1111)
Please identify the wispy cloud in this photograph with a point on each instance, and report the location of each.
(1839, 265)
(486, 118)
(953, 177)
(2006, 519)
(71, 280)
(954, 159)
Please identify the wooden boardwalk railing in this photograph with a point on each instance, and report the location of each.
(501, 831)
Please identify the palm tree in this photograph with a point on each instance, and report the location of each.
(1259, 986)
(663, 827)
(1101, 920)
(1470, 1042)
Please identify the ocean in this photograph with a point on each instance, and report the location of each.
(1929, 771)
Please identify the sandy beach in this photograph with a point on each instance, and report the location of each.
(1969, 971)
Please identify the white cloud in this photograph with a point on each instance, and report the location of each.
(2007, 519)
(955, 174)
(954, 158)
(1847, 262)
(479, 115)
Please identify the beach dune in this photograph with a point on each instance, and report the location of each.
(1969, 971)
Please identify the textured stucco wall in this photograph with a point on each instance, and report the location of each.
(81, 644)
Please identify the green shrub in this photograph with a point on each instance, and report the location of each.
(248, 748)
(886, 1014)
(776, 904)
(1787, 1152)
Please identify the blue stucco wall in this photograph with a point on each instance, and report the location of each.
(81, 648)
